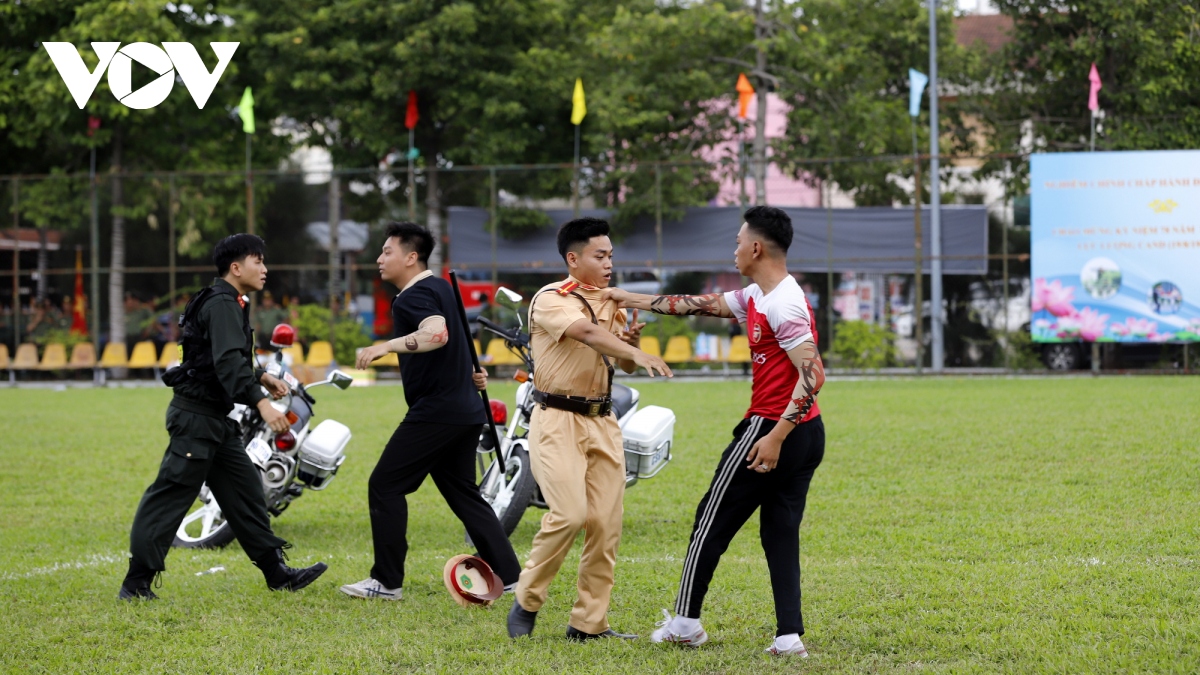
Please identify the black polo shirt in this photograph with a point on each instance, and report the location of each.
(437, 384)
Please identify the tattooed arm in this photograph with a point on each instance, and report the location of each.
(430, 335)
(712, 304)
(764, 456)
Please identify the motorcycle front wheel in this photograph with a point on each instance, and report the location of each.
(204, 526)
(509, 494)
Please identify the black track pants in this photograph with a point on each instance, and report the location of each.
(731, 499)
(446, 452)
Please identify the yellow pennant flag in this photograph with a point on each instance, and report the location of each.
(578, 104)
(246, 110)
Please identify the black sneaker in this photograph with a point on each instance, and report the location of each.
(280, 577)
(577, 635)
(520, 621)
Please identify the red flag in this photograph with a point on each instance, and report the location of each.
(1094, 89)
(745, 92)
(79, 306)
(411, 117)
(383, 312)
(93, 124)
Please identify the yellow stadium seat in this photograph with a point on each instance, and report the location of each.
(144, 355)
(27, 357)
(679, 350)
(320, 355)
(501, 355)
(478, 349)
(83, 355)
(296, 352)
(4, 360)
(114, 356)
(390, 359)
(170, 355)
(739, 350)
(54, 358)
(649, 344)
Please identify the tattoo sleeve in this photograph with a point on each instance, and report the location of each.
(812, 377)
(431, 335)
(701, 305)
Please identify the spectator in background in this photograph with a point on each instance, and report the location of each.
(6, 325)
(65, 316)
(139, 320)
(266, 317)
(41, 320)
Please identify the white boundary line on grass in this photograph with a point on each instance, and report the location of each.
(94, 560)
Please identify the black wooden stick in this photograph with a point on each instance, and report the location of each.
(487, 405)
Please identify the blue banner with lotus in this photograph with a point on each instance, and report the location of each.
(1116, 246)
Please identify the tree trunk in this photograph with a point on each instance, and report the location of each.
(43, 255)
(433, 214)
(116, 277)
(760, 119)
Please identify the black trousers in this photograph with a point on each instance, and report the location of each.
(202, 448)
(447, 453)
(731, 499)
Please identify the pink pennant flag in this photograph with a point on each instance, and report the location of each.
(1094, 78)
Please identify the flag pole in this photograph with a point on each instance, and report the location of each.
(918, 272)
(249, 190)
(412, 188)
(575, 196)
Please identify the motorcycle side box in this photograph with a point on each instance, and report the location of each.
(648, 438)
(322, 453)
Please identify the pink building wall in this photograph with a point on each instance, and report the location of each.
(781, 190)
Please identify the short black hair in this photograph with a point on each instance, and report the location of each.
(579, 231)
(236, 248)
(412, 237)
(772, 224)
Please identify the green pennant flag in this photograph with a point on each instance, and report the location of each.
(246, 110)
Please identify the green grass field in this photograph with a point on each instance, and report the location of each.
(957, 526)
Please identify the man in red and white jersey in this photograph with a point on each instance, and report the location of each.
(777, 446)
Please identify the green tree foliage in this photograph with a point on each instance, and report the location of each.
(1148, 57)
(46, 127)
(844, 71)
(859, 344)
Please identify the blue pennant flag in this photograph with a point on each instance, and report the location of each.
(916, 86)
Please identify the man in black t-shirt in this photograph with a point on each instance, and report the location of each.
(439, 434)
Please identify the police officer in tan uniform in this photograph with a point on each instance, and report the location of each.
(575, 444)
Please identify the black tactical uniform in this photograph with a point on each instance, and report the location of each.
(205, 447)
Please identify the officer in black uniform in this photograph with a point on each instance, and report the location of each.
(217, 370)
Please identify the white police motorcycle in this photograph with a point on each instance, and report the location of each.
(302, 458)
(508, 483)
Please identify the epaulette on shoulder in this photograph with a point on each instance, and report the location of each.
(566, 288)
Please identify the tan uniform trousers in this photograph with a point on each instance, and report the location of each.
(579, 463)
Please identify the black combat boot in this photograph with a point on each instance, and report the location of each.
(138, 581)
(280, 577)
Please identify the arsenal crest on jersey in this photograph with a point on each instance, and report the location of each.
(756, 333)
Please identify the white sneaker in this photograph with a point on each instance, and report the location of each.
(787, 648)
(372, 590)
(664, 633)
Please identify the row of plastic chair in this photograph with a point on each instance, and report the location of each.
(83, 355)
(679, 350)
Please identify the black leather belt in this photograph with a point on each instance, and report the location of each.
(592, 407)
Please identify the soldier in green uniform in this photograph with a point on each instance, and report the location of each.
(266, 316)
(217, 370)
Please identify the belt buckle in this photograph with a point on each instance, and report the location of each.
(594, 408)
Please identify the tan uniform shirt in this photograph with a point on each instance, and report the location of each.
(564, 366)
